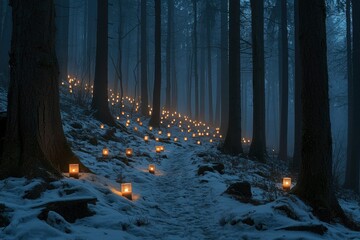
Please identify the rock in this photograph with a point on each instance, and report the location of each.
(4, 218)
(110, 134)
(248, 221)
(287, 211)
(76, 125)
(36, 191)
(58, 222)
(204, 169)
(219, 167)
(318, 229)
(70, 210)
(240, 190)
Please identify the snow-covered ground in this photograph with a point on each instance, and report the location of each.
(174, 203)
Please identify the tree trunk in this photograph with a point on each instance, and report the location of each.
(155, 117)
(144, 81)
(174, 89)
(283, 82)
(209, 24)
(218, 89)
(91, 39)
(224, 68)
(168, 57)
(352, 165)
(314, 184)
(100, 97)
(232, 142)
(202, 72)
(258, 144)
(35, 145)
(297, 104)
(194, 33)
(62, 37)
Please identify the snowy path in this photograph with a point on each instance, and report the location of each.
(187, 204)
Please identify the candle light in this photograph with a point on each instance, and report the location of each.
(146, 138)
(102, 126)
(152, 168)
(74, 170)
(105, 152)
(129, 152)
(158, 149)
(168, 135)
(126, 190)
(286, 183)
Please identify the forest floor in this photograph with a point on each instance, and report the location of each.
(174, 203)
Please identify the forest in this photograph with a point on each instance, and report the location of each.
(180, 119)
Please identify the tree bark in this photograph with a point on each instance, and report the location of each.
(258, 144)
(144, 62)
(224, 68)
(35, 144)
(209, 26)
(352, 165)
(297, 104)
(232, 144)
(168, 56)
(100, 96)
(155, 117)
(283, 81)
(62, 35)
(314, 184)
(194, 33)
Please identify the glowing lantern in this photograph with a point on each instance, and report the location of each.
(129, 152)
(152, 168)
(286, 183)
(168, 135)
(74, 170)
(198, 142)
(105, 152)
(126, 190)
(157, 139)
(160, 132)
(158, 149)
(138, 119)
(140, 123)
(146, 138)
(102, 126)
(135, 129)
(211, 140)
(193, 135)
(185, 139)
(162, 148)
(117, 118)
(150, 128)
(175, 139)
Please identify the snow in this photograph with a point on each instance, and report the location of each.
(174, 203)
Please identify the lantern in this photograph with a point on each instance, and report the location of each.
(160, 132)
(158, 149)
(150, 128)
(286, 183)
(146, 138)
(138, 119)
(193, 135)
(74, 170)
(129, 152)
(126, 190)
(168, 135)
(198, 142)
(157, 139)
(175, 139)
(185, 139)
(152, 168)
(140, 123)
(211, 140)
(162, 148)
(105, 152)
(102, 126)
(135, 129)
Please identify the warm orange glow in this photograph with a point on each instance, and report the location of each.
(162, 148)
(160, 132)
(105, 152)
(211, 140)
(152, 168)
(198, 142)
(74, 170)
(129, 152)
(126, 190)
(185, 139)
(168, 135)
(146, 138)
(157, 139)
(286, 183)
(158, 149)
(175, 139)
(150, 128)
(102, 126)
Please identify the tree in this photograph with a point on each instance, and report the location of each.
(297, 105)
(258, 144)
(283, 81)
(232, 142)
(155, 117)
(35, 144)
(169, 43)
(195, 60)
(209, 25)
(144, 87)
(314, 184)
(62, 26)
(353, 59)
(100, 96)
(224, 67)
